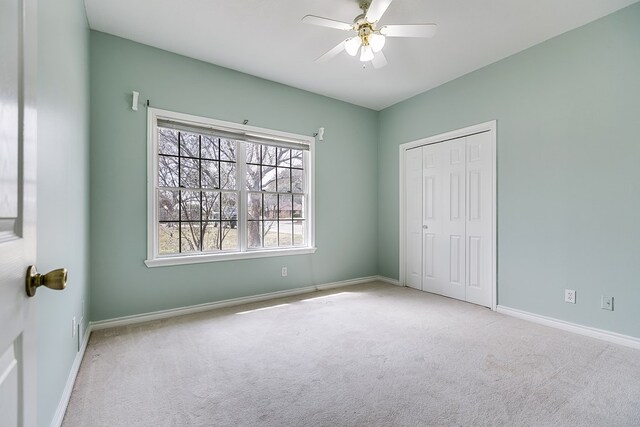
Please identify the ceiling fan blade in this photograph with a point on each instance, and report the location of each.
(377, 9)
(410, 30)
(331, 53)
(379, 60)
(325, 22)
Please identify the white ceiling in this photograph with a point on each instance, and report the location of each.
(265, 38)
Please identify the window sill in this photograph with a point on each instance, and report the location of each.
(197, 259)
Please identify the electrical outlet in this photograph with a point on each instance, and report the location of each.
(284, 272)
(570, 296)
(73, 327)
(606, 303)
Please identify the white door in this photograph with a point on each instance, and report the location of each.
(453, 218)
(413, 206)
(17, 211)
(455, 199)
(444, 218)
(433, 227)
(480, 206)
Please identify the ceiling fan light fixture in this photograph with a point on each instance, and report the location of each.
(376, 41)
(366, 54)
(369, 38)
(352, 45)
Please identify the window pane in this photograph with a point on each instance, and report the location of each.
(270, 234)
(189, 144)
(209, 147)
(228, 175)
(286, 231)
(210, 174)
(167, 141)
(229, 205)
(227, 150)
(285, 206)
(298, 206)
(254, 180)
(296, 158)
(297, 180)
(255, 234)
(268, 178)
(167, 171)
(210, 206)
(268, 155)
(284, 157)
(189, 173)
(211, 241)
(190, 206)
(270, 206)
(298, 233)
(253, 152)
(229, 235)
(168, 238)
(190, 236)
(168, 205)
(254, 206)
(284, 180)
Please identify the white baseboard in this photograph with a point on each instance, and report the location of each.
(588, 331)
(340, 284)
(388, 280)
(71, 380)
(164, 314)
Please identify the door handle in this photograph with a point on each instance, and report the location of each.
(425, 226)
(55, 279)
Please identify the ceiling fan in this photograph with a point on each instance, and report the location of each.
(368, 38)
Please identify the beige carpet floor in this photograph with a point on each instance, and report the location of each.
(366, 355)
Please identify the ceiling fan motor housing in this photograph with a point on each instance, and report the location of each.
(364, 30)
(364, 4)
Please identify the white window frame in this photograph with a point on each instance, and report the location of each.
(154, 259)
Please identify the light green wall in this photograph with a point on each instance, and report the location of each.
(568, 113)
(345, 179)
(568, 150)
(63, 190)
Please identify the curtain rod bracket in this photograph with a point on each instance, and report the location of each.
(134, 101)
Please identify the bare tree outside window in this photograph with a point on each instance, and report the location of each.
(275, 181)
(197, 195)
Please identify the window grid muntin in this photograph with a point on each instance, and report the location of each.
(202, 221)
(276, 166)
(182, 189)
(278, 221)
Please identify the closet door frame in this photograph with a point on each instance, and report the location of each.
(490, 127)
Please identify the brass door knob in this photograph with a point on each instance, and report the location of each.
(55, 279)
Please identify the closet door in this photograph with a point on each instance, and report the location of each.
(479, 219)
(449, 218)
(413, 212)
(454, 221)
(444, 218)
(433, 224)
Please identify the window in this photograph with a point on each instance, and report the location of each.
(220, 191)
